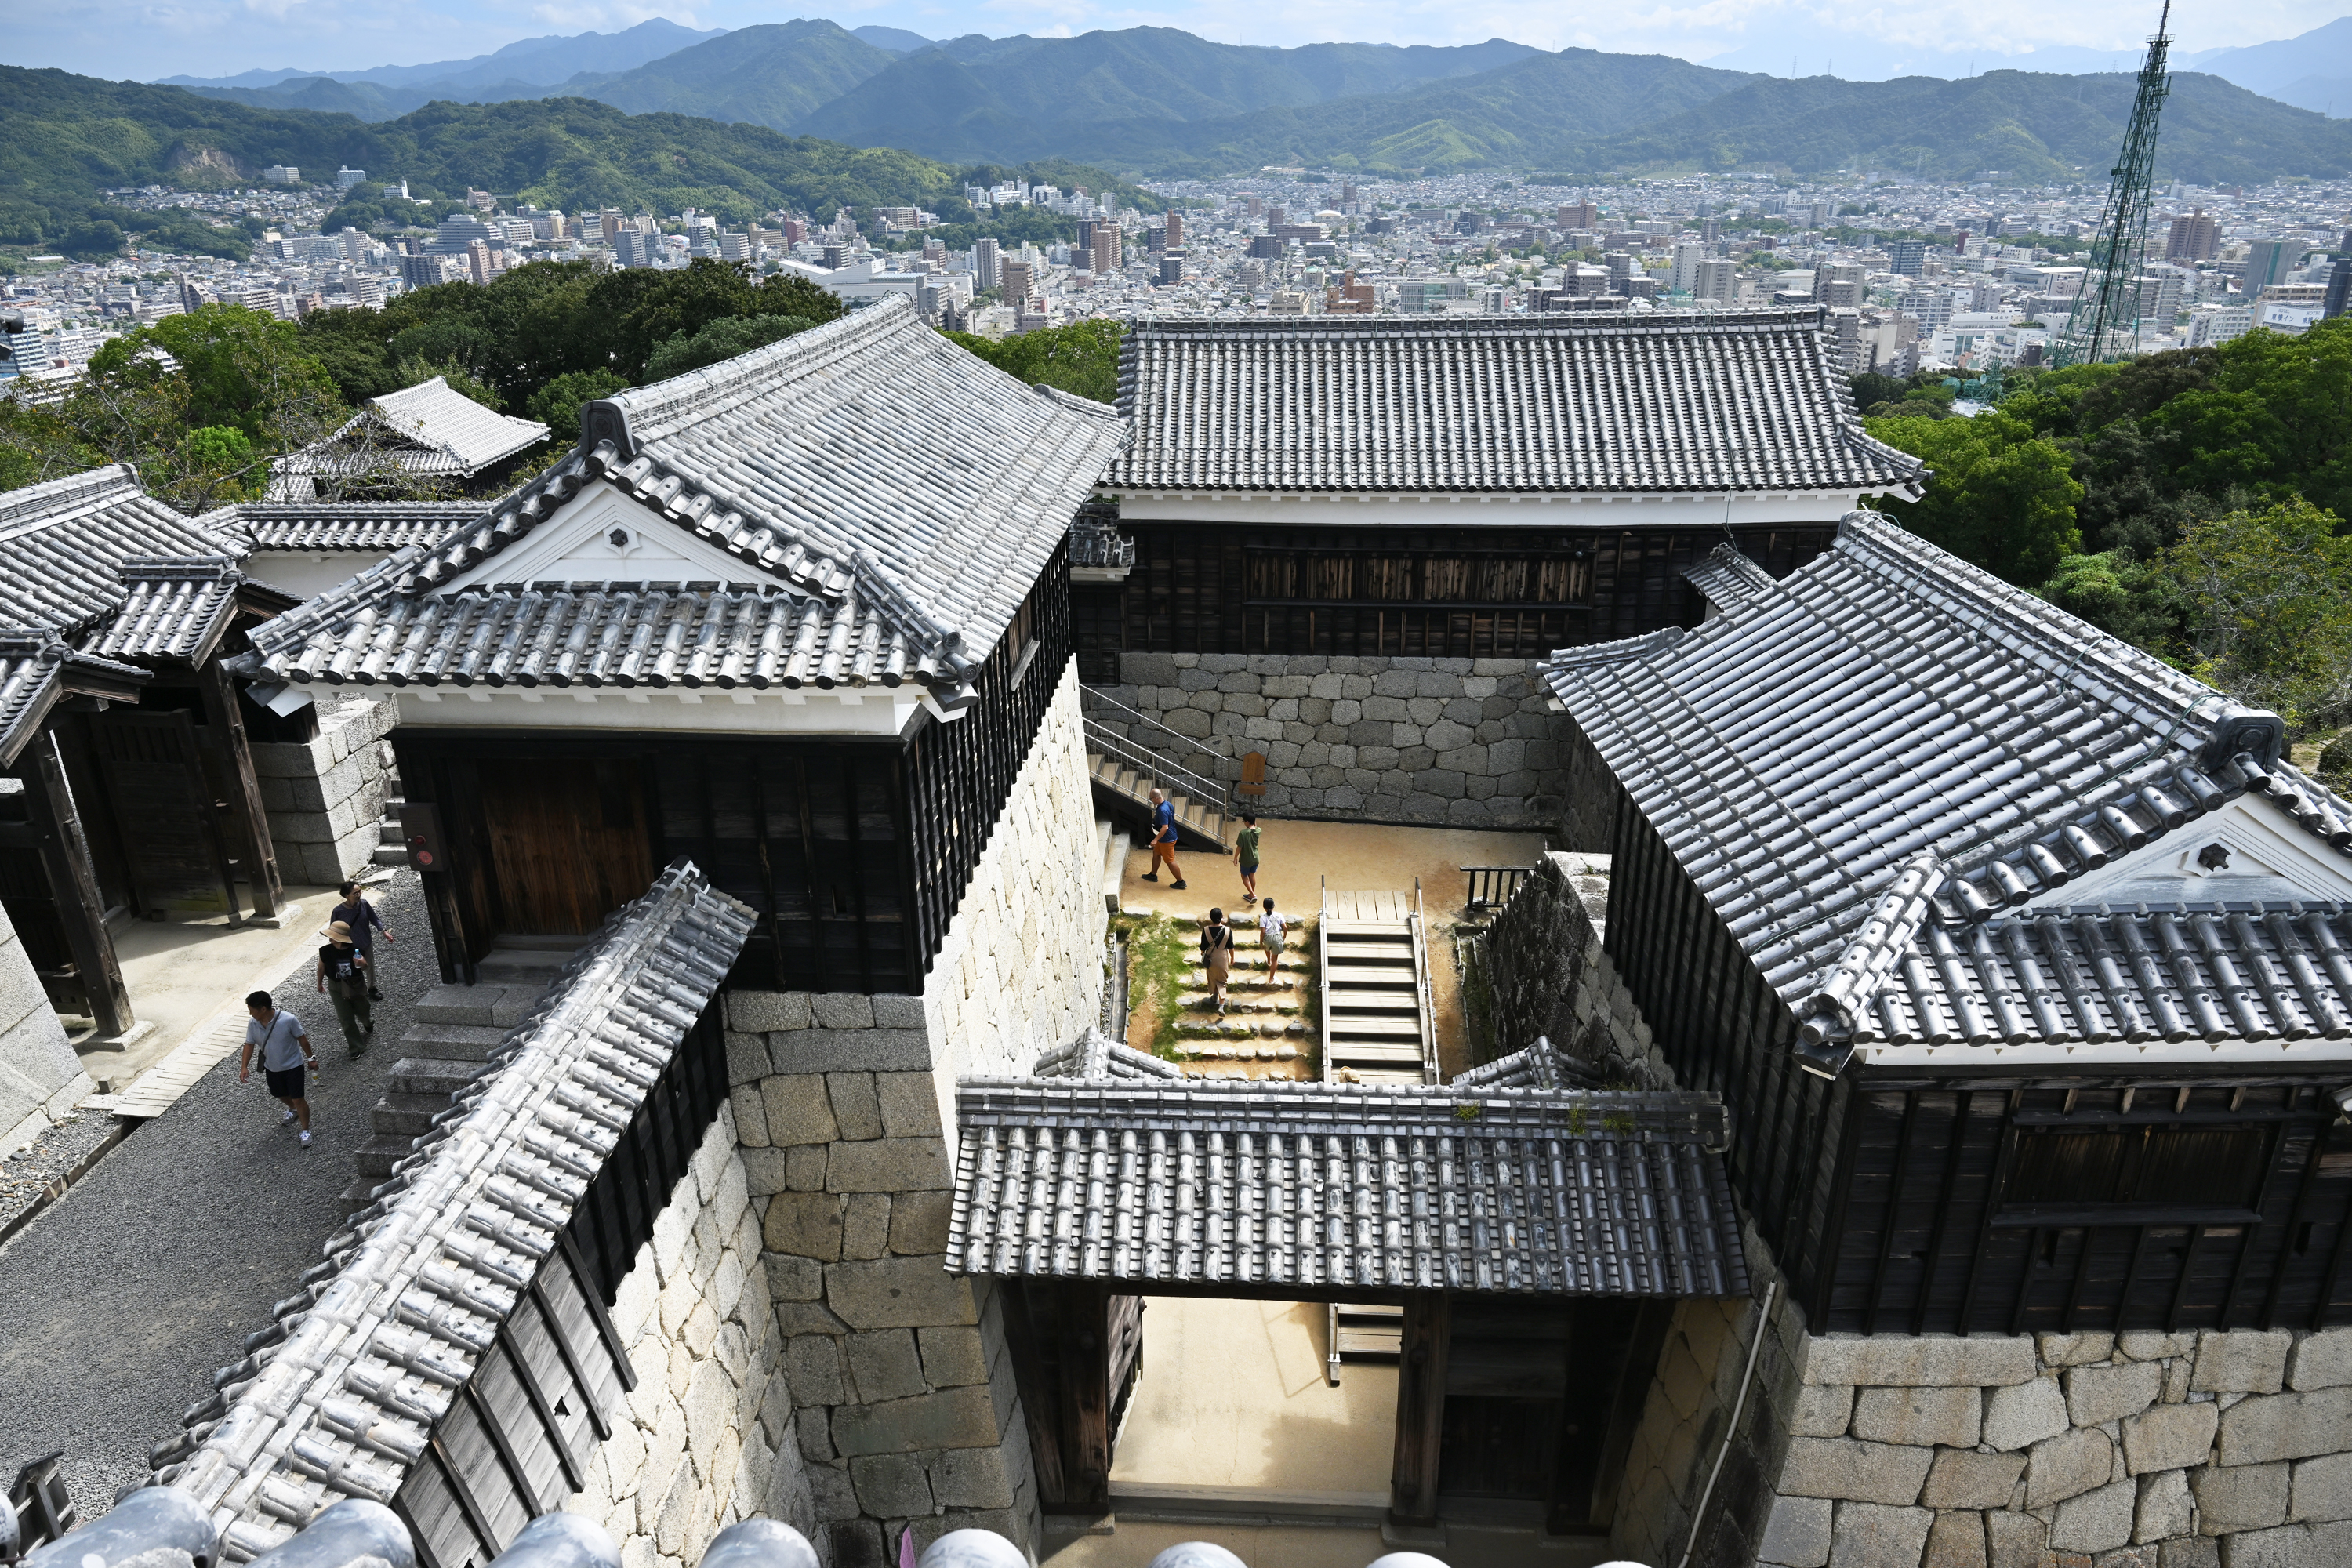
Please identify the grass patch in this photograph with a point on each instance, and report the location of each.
(1477, 993)
(1159, 960)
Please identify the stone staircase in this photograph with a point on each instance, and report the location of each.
(457, 1028)
(1266, 1030)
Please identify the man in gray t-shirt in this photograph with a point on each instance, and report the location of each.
(285, 1049)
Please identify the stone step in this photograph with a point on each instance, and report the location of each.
(388, 855)
(407, 1115)
(355, 1197)
(1196, 1000)
(451, 1042)
(1228, 1050)
(387, 832)
(375, 1158)
(1231, 1027)
(488, 1005)
(430, 1076)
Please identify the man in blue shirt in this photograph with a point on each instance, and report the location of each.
(285, 1049)
(1164, 841)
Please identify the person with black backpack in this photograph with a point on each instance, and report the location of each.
(1217, 956)
(343, 977)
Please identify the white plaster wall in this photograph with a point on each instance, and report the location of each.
(710, 1436)
(40, 1077)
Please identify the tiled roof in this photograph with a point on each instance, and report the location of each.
(63, 545)
(177, 609)
(1727, 579)
(1540, 1066)
(1094, 1055)
(1867, 762)
(911, 491)
(1742, 401)
(34, 671)
(339, 1397)
(1353, 1187)
(374, 528)
(608, 634)
(432, 429)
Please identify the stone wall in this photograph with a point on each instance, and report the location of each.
(40, 1077)
(1458, 741)
(324, 797)
(908, 1411)
(711, 1436)
(2094, 1450)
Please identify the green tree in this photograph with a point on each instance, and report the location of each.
(2000, 496)
(721, 340)
(558, 404)
(1081, 358)
(2266, 609)
(2120, 593)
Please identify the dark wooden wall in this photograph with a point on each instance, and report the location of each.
(856, 852)
(1991, 1200)
(1439, 592)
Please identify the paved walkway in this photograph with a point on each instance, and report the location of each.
(119, 1302)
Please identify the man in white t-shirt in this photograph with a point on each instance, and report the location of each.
(1271, 928)
(285, 1049)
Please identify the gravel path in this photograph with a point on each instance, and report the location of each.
(119, 1303)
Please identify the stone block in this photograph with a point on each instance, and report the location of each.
(2285, 1425)
(2024, 1414)
(822, 1050)
(2188, 1551)
(900, 1293)
(855, 1110)
(2075, 1349)
(971, 1478)
(1926, 1362)
(2016, 1540)
(1962, 1478)
(1797, 1533)
(2145, 1346)
(2165, 1508)
(793, 1278)
(2098, 1394)
(1821, 1410)
(803, 1224)
(1844, 1469)
(2294, 1546)
(2241, 1360)
(866, 1225)
(909, 1103)
(797, 1109)
(2243, 1497)
(2068, 1465)
(2323, 1359)
(952, 1357)
(887, 1165)
(883, 1365)
(2321, 1490)
(766, 1012)
(2169, 1437)
(1923, 1417)
(893, 1012)
(919, 1223)
(954, 1418)
(2095, 1520)
(1956, 1541)
(1873, 1535)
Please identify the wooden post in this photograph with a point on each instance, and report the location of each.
(1086, 1395)
(245, 799)
(73, 884)
(1040, 1404)
(1421, 1408)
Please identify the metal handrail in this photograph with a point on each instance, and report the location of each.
(1097, 697)
(1208, 794)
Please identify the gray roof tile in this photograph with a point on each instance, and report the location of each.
(1660, 401)
(430, 429)
(376, 527)
(63, 545)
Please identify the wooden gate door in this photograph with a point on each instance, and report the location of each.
(569, 842)
(154, 779)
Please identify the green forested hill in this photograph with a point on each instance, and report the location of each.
(771, 75)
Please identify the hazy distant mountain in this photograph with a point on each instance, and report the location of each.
(537, 62)
(988, 98)
(771, 75)
(898, 40)
(325, 94)
(2313, 71)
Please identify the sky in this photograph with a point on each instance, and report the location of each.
(146, 39)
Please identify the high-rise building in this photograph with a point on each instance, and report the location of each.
(477, 261)
(1710, 229)
(1175, 231)
(1907, 258)
(347, 176)
(1687, 256)
(734, 248)
(635, 246)
(987, 267)
(1020, 282)
(834, 255)
(2195, 237)
(1716, 280)
(1171, 267)
(1106, 250)
(1577, 214)
(1276, 214)
(2268, 261)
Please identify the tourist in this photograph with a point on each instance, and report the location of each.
(284, 1047)
(1246, 852)
(1164, 842)
(343, 975)
(356, 912)
(1217, 955)
(1271, 929)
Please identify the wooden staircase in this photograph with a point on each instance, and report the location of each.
(1124, 788)
(1361, 1332)
(1378, 1024)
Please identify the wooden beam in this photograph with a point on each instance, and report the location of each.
(260, 854)
(1421, 1408)
(1041, 1404)
(1085, 1344)
(73, 884)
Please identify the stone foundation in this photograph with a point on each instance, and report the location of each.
(2095, 1450)
(40, 1077)
(324, 797)
(1454, 741)
(711, 1436)
(908, 1412)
